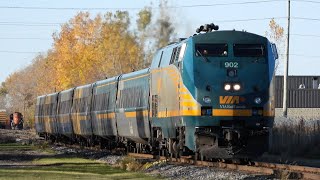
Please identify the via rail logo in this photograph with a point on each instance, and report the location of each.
(231, 102)
(231, 99)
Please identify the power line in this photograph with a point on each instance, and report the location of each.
(27, 24)
(55, 24)
(308, 1)
(21, 22)
(301, 55)
(268, 18)
(306, 35)
(225, 4)
(23, 38)
(220, 21)
(30, 52)
(34, 38)
(136, 8)
(304, 18)
(253, 19)
(19, 52)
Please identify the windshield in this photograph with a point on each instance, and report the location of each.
(213, 50)
(249, 50)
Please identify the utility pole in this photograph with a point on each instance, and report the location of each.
(286, 69)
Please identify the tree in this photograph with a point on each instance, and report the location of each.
(21, 87)
(164, 29)
(155, 30)
(123, 56)
(276, 34)
(87, 50)
(3, 94)
(84, 51)
(143, 26)
(43, 73)
(74, 50)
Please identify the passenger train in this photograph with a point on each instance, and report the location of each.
(209, 95)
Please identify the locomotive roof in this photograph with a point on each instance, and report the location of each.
(225, 34)
(220, 34)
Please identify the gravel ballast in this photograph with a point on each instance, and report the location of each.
(160, 169)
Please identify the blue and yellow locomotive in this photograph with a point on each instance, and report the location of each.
(209, 95)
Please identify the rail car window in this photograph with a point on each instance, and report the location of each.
(65, 107)
(213, 50)
(249, 50)
(49, 109)
(132, 97)
(80, 105)
(175, 55)
(101, 102)
(53, 108)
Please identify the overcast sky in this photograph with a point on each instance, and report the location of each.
(25, 30)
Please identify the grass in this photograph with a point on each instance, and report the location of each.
(51, 166)
(29, 147)
(15, 147)
(68, 168)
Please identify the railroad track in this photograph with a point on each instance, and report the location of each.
(277, 170)
(265, 168)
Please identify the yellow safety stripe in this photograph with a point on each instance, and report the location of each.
(106, 115)
(189, 104)
(190, 112)
(136, 113)
(231, 112)
(185, 96)
(268, 113)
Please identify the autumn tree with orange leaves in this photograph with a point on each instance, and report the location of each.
(85, 50)
(276, 35)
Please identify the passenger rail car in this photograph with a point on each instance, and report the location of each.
(209, 95)
(64, 123)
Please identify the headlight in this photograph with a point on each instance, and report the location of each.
(207, 99)
(236, 87)
(227, 87)
(257, 100)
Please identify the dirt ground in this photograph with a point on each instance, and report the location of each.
(16, 149)
(23, 155)
(25, 151)
(23, 146)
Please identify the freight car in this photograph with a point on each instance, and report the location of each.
(4, 123)
(210, 95)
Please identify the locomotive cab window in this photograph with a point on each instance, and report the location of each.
(212, 50)
(175, 55)
(249, 50)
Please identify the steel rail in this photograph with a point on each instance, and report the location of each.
(291, 171)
